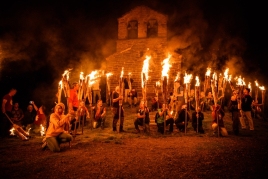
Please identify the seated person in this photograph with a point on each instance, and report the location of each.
(40, 118)
(142, 113)
(198, 116)
(99, 114)
(29, 118)
(159, 119)
(180, 121)
(217, 120)
(16, 114)
(82, 112)
(56, 132)
(132, 98)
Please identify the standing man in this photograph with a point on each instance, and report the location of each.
(116, 98)
(7, 105)
(233, 108)
(127, 86)
(96, 91)
(246, 110)
(73, 104)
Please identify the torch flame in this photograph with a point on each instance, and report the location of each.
(145, 70)
(187, 78)
(208, 72)
(66, 73)
(240, 81)
(42, 130)
(226, 74)
(60, 84)
(256, 83)
(166, 66)
(157, 84)
(12, 131)
(177, 77)
(122, 73)
(108, 75)
(197, 81)
(82, 76)
(262, 88)
(230, 78)
(249, 85)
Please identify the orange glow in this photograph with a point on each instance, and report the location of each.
(240, 81)
(82, 76)
(208, 71)
(165, 64)
(145, 70)
(177, 77)
(262, 88)
(108, 75)
(12, 131)
(122, 73)
(42, 130)
(256, 83)
(249, 85)
(157, 84)
(187, 78)
(197, 81)
(226, 74)
(66, 73)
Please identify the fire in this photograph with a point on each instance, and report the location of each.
(157, 84)
(262, 88)
(240, 81)
(166, 66)
(249, 85)
(66, 74)
(197, 81)
(208, 72)
(60, 84)
(226, 74)
(230, 78)
(256, 83)
(122, 73)
(108, 75)
(177, 77)
(42, 130)
(187, 78)
(82, 76)
(12, 131)
(28, 132)
(145, 70)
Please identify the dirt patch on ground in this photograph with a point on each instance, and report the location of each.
(105, 154)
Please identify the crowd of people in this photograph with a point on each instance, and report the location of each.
(173, 112)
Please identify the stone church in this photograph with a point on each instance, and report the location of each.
(142, 32)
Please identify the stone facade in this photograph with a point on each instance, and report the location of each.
(132, 50)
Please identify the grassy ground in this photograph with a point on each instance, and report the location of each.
(106, 154)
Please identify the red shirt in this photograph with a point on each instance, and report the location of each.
(74, 98)
(41, 119)
(9, 103)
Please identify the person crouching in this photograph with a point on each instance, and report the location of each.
(56, 132)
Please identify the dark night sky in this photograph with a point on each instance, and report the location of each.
(40, 39)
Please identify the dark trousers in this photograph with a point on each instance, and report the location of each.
(181, 126)
(5, 125)
(116, 118)
(169, 122)
(200, 128)
(139, 122)
(236, 122)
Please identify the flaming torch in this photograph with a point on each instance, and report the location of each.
(65, 82)
(157, 88)
(108, 86)
(187, 78)
(12, 131)
(144, 78)
(59, 91)
(263, 90)
(225, 80)
(256, 91)
(121, 88)
(197, 97)
(207, 80)
(249, 87)
(166, 66)
(240, 83)
(42, 130)
(81, 86)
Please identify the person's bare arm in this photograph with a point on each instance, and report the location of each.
(4, 105)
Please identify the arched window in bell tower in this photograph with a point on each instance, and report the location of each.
(152, 28)
(132, 28)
